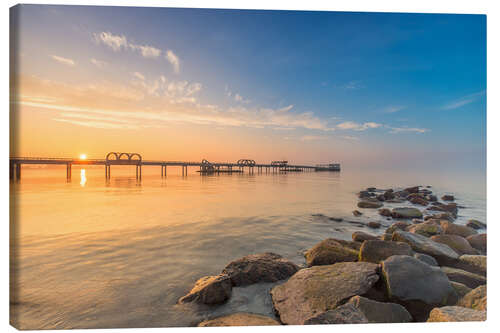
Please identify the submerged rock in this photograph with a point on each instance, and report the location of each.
(255, 268)
(471, 280)
(457, 229)
(376, 251)
(474, 299)
(369, 204)
(344, 314)
(380, 312)
(456, 313)
(331, 251)
(475, 224)
(239, 319)
(313, 291)
(374, 225)
(406, 213)
(209, 290)
(448, 197)
(478, 242)
(459, 244)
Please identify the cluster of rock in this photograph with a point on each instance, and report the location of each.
(423, 268)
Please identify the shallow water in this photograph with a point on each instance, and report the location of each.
(97, 254)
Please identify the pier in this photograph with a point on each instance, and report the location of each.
(135, 159)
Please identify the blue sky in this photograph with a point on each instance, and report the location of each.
(345, 83)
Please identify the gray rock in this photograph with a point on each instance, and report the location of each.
(385, 212)
(455, 313)
(239, 319)
(461, 290)
(315, 290)
(471, 280)
(255, 268)
(478, 242)
(344, 314)
(331, 251)
(413, 189)
(426, 258)
(475, 224)
(374, 225)
(459, 244)
(474, 299)
(406, 213)
(448, 197)
(400, 225)
(381, 312)
(360, 236)
(450, 228)
(440, 216)
(209, 290)
(356, 213)
(376, 251)
(425, 229)
(369, 204)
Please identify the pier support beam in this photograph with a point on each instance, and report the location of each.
(68, 172)
(107, 171)
(18, 171)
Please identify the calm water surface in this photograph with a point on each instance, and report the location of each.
(91, 254)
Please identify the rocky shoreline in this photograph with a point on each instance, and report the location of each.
(424, 267)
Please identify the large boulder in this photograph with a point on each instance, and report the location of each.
(360, 236)
(475, 224)
(474, 299)
(255, 268)
(406, 213)
(317, 289)
(459, 244)
(441, 252)
(425, 229)
(369, 204)
(471, 280)
(478, 242)
(209, 290)
(344, 314)
(426, 258)
(450, 228)
(461, 290)
(376, 251)
(330, 251)
(473, 263)
(416, 285)
(456, 313)
(240, 319)
(380, 312)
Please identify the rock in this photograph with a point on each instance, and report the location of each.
(400, 225)
(426, 258)
(402, 194)
(374, 225)
(356, 213)
(380, 197)
(364, 194)
(336, 219)
(255, 268)
(395, 201)
(380, 312)
(389, 194)
(432, 198)
(360, 236)
(406, 213)
(386, 237)
(239, 319)
(456, 313)
(385, 212)
(450, 228)
(417, 221)
(440, 216)
(461, 290)
(425, 229)
(419, 201)
(369, 204)
(315, 290)
(441, 252)
(471, 280)
(371, 189)
(209, 290)
(330, 251)
(376, 251)
(344, 314)
(448, 197)
(459, 244)
(475, 224)
(478, 242)
(474, 299)
(413, 189)
(450, 208)
(416, 285)
(474, 263)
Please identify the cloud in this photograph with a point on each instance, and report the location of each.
(463, 101)
(236, 96)
(98, 63)
(138, 75)
(146, 50)
(396, 130)
(348, 137)
(394, 109)
(353, 85)
(350, 125)
(312, 138)
(173, 59)
(65, 61)
(115, 42)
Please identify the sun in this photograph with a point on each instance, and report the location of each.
(83, 156)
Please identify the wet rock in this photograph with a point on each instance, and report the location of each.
(478, 242)
(400, 225)
(455, 313)
(406, 213)
(360, 236)
(416, 285)
(380, 197)
(459, 244)
(385, 212)
(419, 201)
(474, 263)
(386, 237)
(239, 319)
(315, 290)
(376, 251)
(356, 213)
(344, 314)
(389, 194)
(474, 299)
(255, 268)
(475, 224)
(374, 225)
(426, 258)
(417, 221)
(331, 251)
(336, 219)
(364, 194)
(413, 189)
(448, 197)
(380, 312)
(432, 198)
(369, 204)
(371, 189)
(440, 216)
(461, 290)
(209, 290)
(471, 280)
(425, 229)
(441, 252)
(450, 208)
(450, 228)
(402, 194)
(395, 201)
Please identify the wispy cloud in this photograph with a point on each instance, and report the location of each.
(351, 125)
(463, 101)
(65, 61)
(98, 63)
(393, 109)
(138, 75)
(353, 85)
(236, 96)
(351, 138)
(312, 138)
(396, 130)
(173, 59)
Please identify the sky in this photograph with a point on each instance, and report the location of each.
(366, 89)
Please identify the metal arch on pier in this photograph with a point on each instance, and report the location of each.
(129, 157)
(246, 162)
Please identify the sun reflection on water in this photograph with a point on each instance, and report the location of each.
(83, 178)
